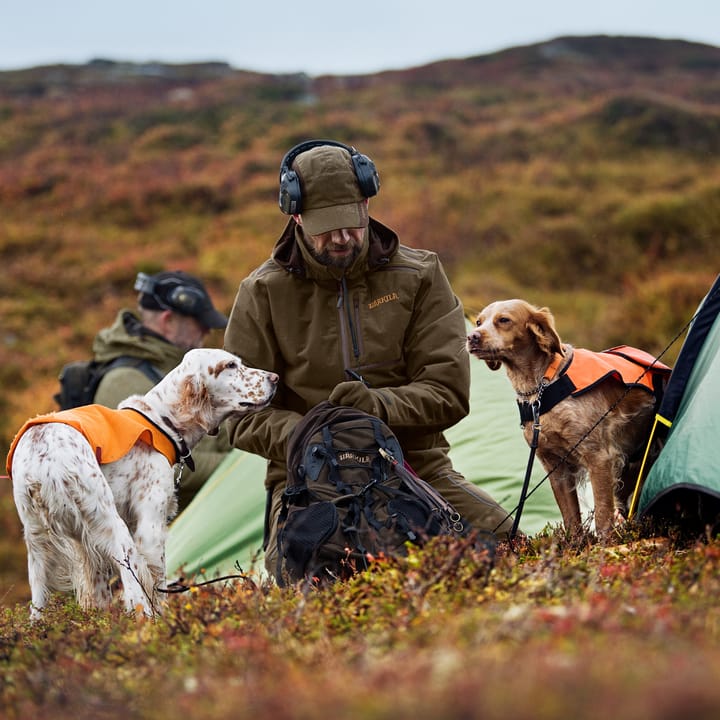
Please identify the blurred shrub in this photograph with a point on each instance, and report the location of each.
(671, 225)
(655, 314)
(165, 138)
(641, 122)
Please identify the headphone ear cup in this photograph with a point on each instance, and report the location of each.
(367, 175)
(186, 298)
(290, 198)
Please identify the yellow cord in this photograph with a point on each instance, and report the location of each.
(638, 484)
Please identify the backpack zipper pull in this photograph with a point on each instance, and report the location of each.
(388, 456)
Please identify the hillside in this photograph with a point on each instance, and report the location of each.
(581, 173)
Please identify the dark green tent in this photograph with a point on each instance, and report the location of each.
(683, 486)
(224, 523)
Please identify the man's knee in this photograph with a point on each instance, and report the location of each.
(475, 505)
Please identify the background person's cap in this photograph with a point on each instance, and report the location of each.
(180, 292)
(331, 195)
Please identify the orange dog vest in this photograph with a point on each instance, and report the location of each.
(111, 433)
(586, 369)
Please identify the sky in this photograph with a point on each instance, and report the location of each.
(320, 37)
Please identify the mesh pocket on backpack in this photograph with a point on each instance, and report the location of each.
(306, 529)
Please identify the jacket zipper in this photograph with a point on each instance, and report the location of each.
(342, 302)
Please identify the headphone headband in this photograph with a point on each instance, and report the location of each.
(302, 147)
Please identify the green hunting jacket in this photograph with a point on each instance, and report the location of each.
(392, 319)
(127, 336)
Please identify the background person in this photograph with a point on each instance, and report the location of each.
(339, 302)
(175, 314)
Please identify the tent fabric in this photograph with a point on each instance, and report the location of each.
(683, 485)
(702, 324)
(222, 528)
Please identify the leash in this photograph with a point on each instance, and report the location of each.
(528, 470)
(178, 587)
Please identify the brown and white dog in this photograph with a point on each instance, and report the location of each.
(86, 519)
(589, 434)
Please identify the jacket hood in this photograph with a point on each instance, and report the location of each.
(381, 244)
(128, 336)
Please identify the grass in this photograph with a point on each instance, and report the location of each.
(549, 630)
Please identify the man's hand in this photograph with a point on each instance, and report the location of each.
(357, 395)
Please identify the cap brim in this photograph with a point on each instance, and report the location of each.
(213, 320)
(335, 217)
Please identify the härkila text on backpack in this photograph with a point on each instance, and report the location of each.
(349, 496)
(79, 380)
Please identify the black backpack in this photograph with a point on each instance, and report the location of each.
(349, 496)
(79, 380)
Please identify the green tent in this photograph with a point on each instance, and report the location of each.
(683, 486)
(224, 523)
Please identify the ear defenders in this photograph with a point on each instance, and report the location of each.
(290, 199)
(184, 299)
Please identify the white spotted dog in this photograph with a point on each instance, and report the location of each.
(95, 487)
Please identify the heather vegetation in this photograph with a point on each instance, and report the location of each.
(629, 631)
(582, 174)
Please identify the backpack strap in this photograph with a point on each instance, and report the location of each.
(143, 365)
(330, 457)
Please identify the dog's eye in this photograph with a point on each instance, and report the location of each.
(232, 365)
(502, 320)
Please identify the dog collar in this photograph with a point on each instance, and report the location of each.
(550, 373)
(554, 367)
(182, 452)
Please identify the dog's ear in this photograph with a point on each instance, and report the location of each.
(542, 325)
(493, 364)
(195, 403)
